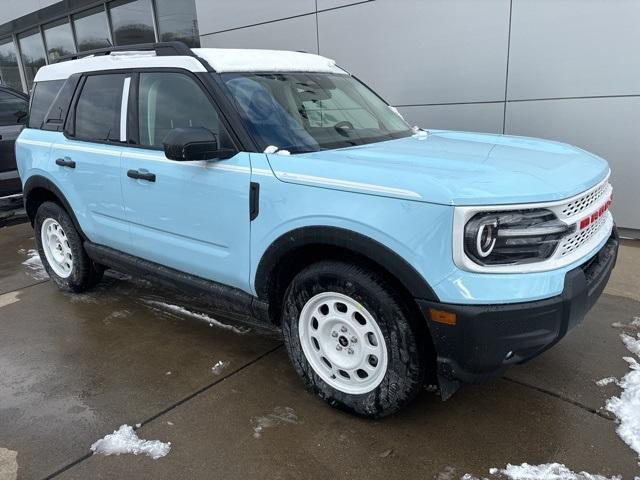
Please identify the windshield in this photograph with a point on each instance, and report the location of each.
(305, 112)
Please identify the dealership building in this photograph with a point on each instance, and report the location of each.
(568, 71)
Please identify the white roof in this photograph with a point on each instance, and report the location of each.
(221, 59)
(246, 60)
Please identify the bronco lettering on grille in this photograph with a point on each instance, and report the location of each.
(586, 221)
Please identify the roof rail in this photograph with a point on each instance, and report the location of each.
(161, 48)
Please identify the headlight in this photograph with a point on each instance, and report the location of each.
(513, 237)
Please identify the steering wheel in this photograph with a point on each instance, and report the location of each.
(342, 127)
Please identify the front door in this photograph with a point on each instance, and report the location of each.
(192, 216)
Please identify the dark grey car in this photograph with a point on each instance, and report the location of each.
(14, 106)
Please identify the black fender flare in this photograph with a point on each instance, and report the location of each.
(345, 239)
(40, 182)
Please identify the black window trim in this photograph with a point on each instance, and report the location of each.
(240, 139)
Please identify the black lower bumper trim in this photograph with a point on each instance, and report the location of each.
(486, 339)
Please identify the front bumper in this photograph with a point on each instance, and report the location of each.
(486, 339)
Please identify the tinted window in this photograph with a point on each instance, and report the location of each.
(13, 109)
(172, 100)
(98, 108)
(177, 21)
(59, 39)
(43, 95)
(32, 50)
(9, 73)
(131, 21)
(91, 29)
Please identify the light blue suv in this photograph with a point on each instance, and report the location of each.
(288, 192)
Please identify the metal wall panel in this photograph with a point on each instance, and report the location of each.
(422, 52)
(294, 34)
(474, 117)
(215, 16)
(605, 126)
(574, 48)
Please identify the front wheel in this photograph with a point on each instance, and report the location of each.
(352, 340)
(61, 250)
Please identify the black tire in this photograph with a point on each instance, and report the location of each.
(407, 359)
(84, 273)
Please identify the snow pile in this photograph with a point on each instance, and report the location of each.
(125, 440)
(218, 367)
(178, 310)
(396, 111)
(419, 132)
(279, 416)
(626, 407)
(547, 471)
(34, 265)
(606, 381)
(272, 149)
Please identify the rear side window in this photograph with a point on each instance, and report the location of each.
(42, 97)
(13, 109)
(97, 115)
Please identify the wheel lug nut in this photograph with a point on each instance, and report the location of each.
(334, 334)
(338, 347)
(354, 340)
(350, 351)
(343, 329)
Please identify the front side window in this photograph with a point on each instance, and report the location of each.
(303, 112)
(98, 108)
(13, 109)
(168, 100)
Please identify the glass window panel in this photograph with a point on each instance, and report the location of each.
(98, 108)
(92, 30)
(9, 71)
(58, 38)
(13, 109)
(131, 22)
(178, 21)
(32, 51)
(43, 95)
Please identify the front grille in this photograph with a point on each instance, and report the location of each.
(581, 237)
(589, 199)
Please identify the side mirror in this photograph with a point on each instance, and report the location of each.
(192, 143)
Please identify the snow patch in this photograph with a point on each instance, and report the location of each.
(178, 310)
(606, 381)
(8, 464)
(279, 416)
(9, 298)
(626, 407)
(396, 111)
(635, 324)
(219, 367)
(546, 471)
(272, 149)
(419, 132)
(125, 440)
(35, 268)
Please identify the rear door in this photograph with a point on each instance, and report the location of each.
(13, 114)
(192, 216)
(86, 161)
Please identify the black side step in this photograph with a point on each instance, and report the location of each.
(222, 298)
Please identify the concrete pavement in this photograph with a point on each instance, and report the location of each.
(75, 367)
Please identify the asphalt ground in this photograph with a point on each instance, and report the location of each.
(73, 368)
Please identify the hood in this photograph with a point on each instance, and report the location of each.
(451, 168)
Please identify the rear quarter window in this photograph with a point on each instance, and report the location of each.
(42, 97)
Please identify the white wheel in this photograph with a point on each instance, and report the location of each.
(57, 249)
(343, 343)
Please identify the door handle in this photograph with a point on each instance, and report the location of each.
(138, 175)
(66, 162)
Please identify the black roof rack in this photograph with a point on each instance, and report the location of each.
(162, 49)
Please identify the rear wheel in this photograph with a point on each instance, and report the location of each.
(352, 340)
(61, 250)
